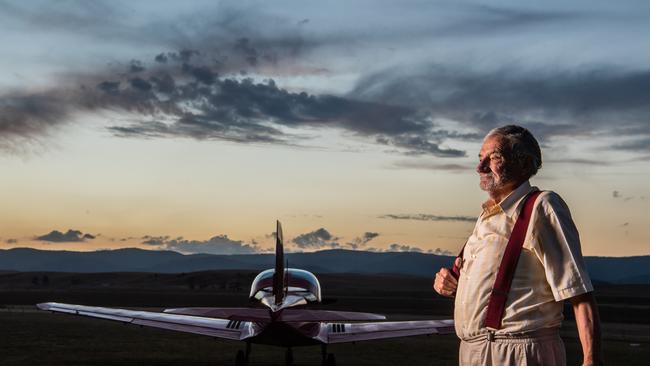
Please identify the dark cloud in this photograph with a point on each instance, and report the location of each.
(395, 247)
(242, 110)
(25, 117)
(243, 45)
(69, 236)
(439, 251)
(581, 102)
(110, 87)
(140, 84)
(187, 97)
(219, 244)
(163, 83)
(427, 217)
(154, 240)
(136, 66)
(183, 56)
(616, 194)
(201, 74)
(317, 239)
(361, 241)
(162, 58)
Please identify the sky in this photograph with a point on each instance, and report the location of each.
(192, 126)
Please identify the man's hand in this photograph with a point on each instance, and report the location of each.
(445, 283)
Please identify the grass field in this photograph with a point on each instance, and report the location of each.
(30, 337)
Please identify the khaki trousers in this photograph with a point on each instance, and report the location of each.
(540, 348)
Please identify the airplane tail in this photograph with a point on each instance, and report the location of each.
(278, 275)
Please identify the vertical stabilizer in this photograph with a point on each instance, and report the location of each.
(278, 275)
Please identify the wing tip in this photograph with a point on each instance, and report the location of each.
(44, 305)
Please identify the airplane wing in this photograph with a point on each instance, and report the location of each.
(353, 332)
(213, 327)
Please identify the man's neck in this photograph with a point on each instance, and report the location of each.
(500, 194)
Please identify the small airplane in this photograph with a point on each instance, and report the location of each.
(284, 322)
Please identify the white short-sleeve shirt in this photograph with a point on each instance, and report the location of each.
(550, 268)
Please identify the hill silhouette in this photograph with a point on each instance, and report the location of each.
(616, 270)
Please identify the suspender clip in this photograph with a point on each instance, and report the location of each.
(490, 336)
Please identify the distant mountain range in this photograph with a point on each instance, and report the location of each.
(616, 270)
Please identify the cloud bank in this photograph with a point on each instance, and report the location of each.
(69, 236)
(219, 244)
(361, 241)
(316, 240)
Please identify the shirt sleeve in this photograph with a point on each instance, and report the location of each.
(557, 244)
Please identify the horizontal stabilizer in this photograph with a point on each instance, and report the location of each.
(286, 315)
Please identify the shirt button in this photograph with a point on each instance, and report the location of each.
(473, 256)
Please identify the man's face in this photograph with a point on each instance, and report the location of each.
(493, 167)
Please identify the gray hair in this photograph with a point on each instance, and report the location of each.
(520, 146)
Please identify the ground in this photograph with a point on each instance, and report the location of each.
(32, 337)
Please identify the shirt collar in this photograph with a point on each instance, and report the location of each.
(511, 202)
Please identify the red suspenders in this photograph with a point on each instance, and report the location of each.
(499, 295)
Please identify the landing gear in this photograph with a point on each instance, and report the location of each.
(328, 358)
(241, 359)
(288, 357)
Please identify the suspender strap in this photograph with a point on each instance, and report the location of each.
(455, 270)
(497, 302)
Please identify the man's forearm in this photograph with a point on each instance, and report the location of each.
(588, 324)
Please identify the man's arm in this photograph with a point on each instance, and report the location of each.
(588, 324)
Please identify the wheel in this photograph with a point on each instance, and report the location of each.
(240, 359)
(331, 360)
(288, 360)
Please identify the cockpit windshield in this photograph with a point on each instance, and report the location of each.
(297, 282)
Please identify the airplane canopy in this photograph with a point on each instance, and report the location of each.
(297, 282)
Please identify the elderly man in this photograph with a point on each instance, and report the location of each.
(548, 266)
